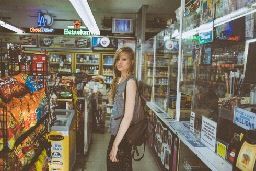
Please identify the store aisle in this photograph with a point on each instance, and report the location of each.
(96, 160)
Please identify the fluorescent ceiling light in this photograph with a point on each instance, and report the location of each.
(83, 10)
(10, 27)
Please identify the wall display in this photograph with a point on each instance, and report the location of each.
(107, 67)
(61, 62)
(87, 63)
(104, 43)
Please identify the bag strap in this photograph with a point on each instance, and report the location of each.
(135, 149)
(125, 90)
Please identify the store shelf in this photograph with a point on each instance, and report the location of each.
(107, 64)
(159, 76)
(110, 75)
(208, 157)
(151, 66)
(87, 64)
(64, 100)
(161, 84)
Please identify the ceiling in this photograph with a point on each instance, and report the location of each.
(24, 13)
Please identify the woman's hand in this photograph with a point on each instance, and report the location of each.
(113, 153)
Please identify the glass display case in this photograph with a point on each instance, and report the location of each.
(107, 67)
(159, 69)
(61, 62)
(146, 65)
(88, 63)
(217, 75)
(216, 84)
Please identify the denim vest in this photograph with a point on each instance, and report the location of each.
(118, 108)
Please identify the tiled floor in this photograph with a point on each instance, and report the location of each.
(96, 159)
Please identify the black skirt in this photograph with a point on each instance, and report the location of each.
(123, 155)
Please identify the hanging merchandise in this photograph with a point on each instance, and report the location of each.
(220, 8)
(10, 87)
(207, 9)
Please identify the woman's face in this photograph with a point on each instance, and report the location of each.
(123, 64)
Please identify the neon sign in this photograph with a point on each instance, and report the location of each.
(43, 23)
(44, 20)
(78, 32)
(41, 30)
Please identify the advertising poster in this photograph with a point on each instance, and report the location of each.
(83, 42)
(63, 41)
(245, 119)
(126, 43)
(28, 40)
(208, 133)
(100, 43)
(12, 38)
(46, 41)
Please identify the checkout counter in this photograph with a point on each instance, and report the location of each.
(63, 141)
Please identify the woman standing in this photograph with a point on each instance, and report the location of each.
(119, 150)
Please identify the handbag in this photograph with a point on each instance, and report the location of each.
(136, 134)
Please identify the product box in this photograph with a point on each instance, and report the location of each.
(39, 63)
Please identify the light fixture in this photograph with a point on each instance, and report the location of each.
(83, 10)
(10, 27)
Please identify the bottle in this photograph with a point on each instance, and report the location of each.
(233, 148)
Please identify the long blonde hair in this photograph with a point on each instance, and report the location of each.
(117, 73)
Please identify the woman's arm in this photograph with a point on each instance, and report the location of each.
(128, 114)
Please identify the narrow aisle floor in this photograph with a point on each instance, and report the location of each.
(96, 160)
